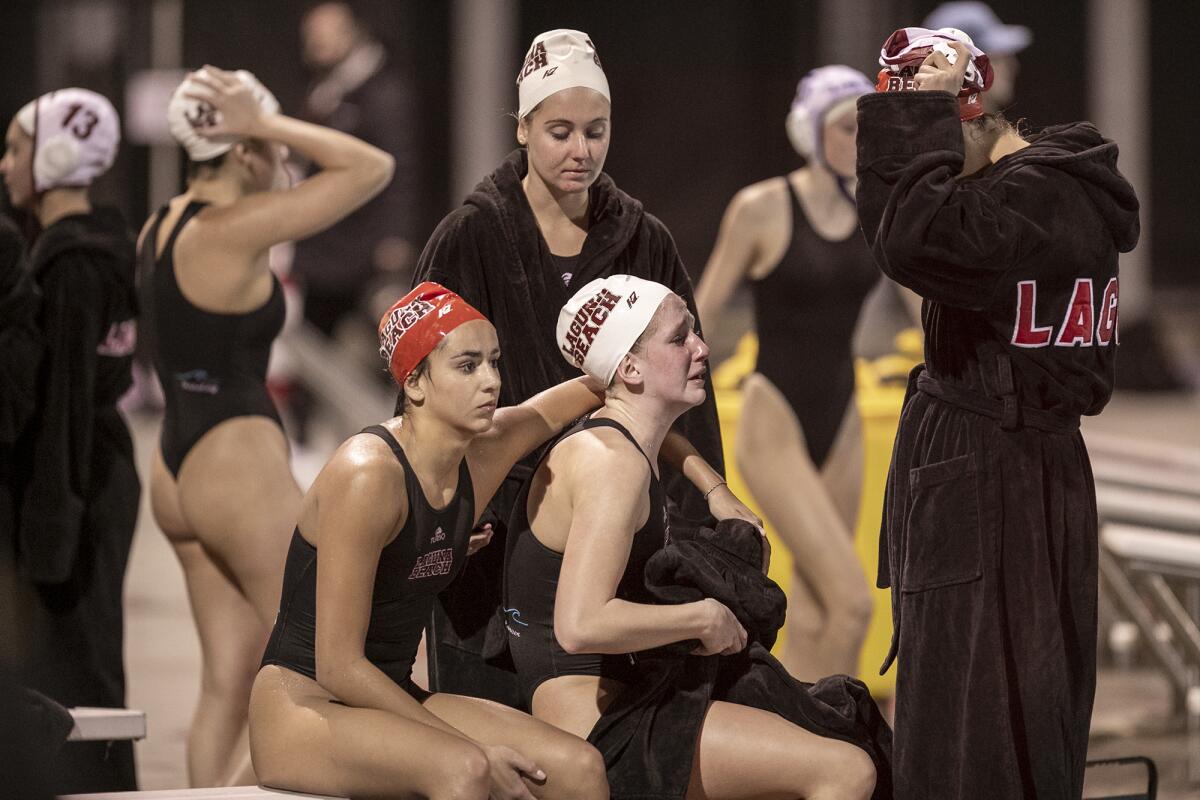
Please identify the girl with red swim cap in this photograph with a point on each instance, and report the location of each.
(384, 528)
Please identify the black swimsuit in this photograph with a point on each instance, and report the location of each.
(212, 366)
(423, 559)
(531, 581)
(805, 311)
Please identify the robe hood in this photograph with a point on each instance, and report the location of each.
(1079, 150)
(614, 216)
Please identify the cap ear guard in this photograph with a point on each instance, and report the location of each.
(56, 158)
(800, 131)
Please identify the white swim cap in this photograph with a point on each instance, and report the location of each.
(557, 60)
(600, 323)
(820, 92)
(75, 135)
(186, 117)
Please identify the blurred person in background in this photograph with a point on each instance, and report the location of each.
(78, 498)
(989, 534)
(796, 240)
(545, 222)
(1001, 42)
(20, 355)
(359, 89)
(221, 484)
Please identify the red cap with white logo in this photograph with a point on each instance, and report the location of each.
(417, 323)
(905, 50)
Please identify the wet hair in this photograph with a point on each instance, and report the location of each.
(417, 372)
(992, 122)
(528, 117)
(194, 167)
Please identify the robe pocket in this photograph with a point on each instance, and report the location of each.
(942, 542)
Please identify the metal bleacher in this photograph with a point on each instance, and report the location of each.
(1148, 504)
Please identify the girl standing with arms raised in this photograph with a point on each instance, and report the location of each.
(222, 487)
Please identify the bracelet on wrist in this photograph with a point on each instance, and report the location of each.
(714, 488)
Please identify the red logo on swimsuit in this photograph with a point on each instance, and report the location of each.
(1079, 326)
(586, 324)
(399, 321)
(433, 564)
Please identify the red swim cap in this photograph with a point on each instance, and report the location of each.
(417, 323)
(904, 51)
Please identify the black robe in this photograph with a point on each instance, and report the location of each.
(988, 539)
(648, 734)
(79, 500)
(20, 355)
(491, 252)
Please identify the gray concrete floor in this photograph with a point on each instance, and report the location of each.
(162, 652)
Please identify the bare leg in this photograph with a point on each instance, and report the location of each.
(237, 493)
(231, 643)
(574, 769)
(842, 472)
(827, 619)
(229, 517)
(303, 742)
(748, 754)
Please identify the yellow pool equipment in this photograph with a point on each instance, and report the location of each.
(880, 392)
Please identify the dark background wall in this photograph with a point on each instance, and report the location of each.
(700, 89)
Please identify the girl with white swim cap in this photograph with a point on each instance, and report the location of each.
(80, 496)
(583, 625)
(544, 223)
(221, 486)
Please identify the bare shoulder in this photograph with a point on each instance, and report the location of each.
(362, 475)
(146, 226)
(601, 458)
(763, 201)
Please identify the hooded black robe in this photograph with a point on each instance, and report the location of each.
(20, 355)
(989, 532)
(648, 734)
(80, 496)
(491, 251)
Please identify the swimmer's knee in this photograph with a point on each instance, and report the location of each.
(464, 775)
(579, 772)
(856, 775)
(849, 607)
(230, 677)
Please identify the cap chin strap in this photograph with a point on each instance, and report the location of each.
(843, 185)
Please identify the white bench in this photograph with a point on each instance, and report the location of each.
(1148, 509)
(224, 793)
(106, 724)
